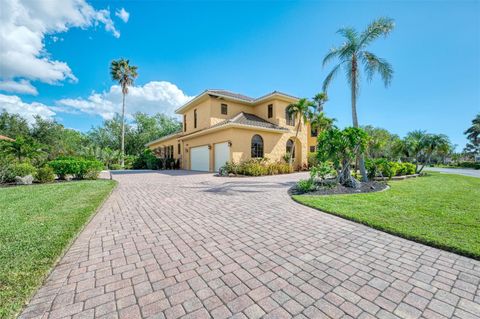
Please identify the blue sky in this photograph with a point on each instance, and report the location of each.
(257, 47)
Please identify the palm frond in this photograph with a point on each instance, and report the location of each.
(349, 33)
(330, 77)
(374, 64)
(380, 27)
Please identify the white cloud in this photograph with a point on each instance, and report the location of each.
(13, 104)
(153, 97)
(23, 27)
(22, 86)
(123, 14)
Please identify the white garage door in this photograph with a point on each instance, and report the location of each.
(222, 155)
(200, 158)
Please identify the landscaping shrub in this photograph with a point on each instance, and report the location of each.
(64, 167)
(382, 168)
(409, 168)
(469, 165)
(45, 175)
(79, 168)
(255, 167)
(89, 169)
(146, 160)
(312, 159)
(305, 185)
(22, 169)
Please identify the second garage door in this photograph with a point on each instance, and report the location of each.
(200, 158)
(222, 155)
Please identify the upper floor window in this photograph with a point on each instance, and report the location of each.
(312, 149)
(224, 109)
(270, 111)
(184, 123)
(314, 132)
(257, 146)
(195, 118)
(289, 117)
(290, 148)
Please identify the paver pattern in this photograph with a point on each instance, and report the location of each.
(179, 244)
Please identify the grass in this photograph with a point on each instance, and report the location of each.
(37, 223)
(440, 210)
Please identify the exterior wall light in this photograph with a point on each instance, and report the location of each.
(229, 143)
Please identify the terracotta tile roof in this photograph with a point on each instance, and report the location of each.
(6, 138)
(232, 94)
(244, 97)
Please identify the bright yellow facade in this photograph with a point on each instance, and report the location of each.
(207, 131)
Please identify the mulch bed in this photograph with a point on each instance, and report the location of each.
(367, 187)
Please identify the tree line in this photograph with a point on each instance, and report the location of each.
(45, 140)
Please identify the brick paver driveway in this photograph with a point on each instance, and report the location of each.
(193, 245)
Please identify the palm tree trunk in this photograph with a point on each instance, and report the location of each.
(122, 147)
(360, 157)
(295, 141)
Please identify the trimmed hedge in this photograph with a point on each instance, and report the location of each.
(45, 175)
(255, 167)
(78, 168)
(384, 168)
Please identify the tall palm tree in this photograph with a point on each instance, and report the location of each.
(320, 99)
(302, 110)
(354, 52)
(124, 73)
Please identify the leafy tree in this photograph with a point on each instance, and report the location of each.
(473, 136)
(352, 54)
(340, 147)
(302, 110)
(13, 125)
(124, 73)
(382, 143)
(55, 138)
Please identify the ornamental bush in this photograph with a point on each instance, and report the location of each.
(64, 167)
(305, 185)
(76, 167)
(380, 167)
(45, 175)
(255, 167)
(89, 169)
(23, 169)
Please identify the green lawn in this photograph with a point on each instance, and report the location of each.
(441, 210)
(36, 224)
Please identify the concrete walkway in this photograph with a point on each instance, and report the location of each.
(458, 171)
(190, 245)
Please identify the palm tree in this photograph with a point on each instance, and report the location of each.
(319, 121)
(353, 52)
(473, 134)
(302, 110)
(320, 99)
(124, 73)
(434, 143)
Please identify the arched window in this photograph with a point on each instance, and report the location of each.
(257, 146)
(289, 148)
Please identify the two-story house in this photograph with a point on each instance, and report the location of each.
(220, 126)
